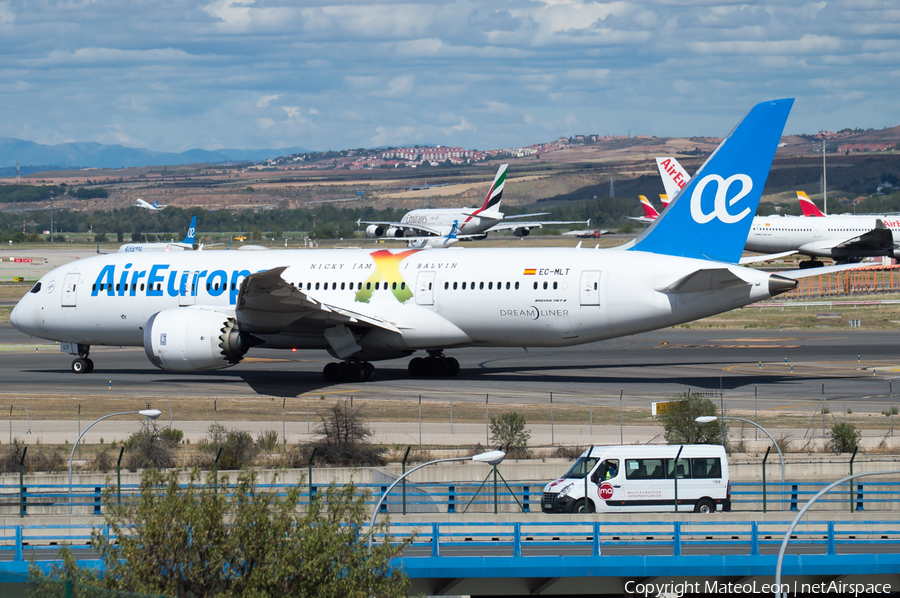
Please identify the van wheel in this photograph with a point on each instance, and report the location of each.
(704, 505)
(578, 507)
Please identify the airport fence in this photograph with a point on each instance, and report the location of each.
(857, 281)
(469, 488)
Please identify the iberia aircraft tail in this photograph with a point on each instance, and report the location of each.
(664, 198)
(649, 211)
(495, 194)
(710, 217)
(806, 204)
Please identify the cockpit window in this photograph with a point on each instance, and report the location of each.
(36, 288)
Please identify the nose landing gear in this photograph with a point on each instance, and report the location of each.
(349, 371)
(436, 365)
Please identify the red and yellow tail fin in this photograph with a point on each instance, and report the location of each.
(806, 204)
(649, 211)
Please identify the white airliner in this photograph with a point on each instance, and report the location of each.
(472, 221)
(194, 311)
(188, 244)
(449, 240)
(140, 203)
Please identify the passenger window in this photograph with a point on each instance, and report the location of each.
(394, 286)
(317, 286)
(309, 286)
(595, 286)
(429, 286)
(403, 286)
(377, 285)
(342, 286)
(464, 286)
(142, 286)
(644, 469)
(706, 468)
(117, 286)
(368, 286)
(472, 285)
(684, 470)
(545, 285)
(37, 288)
(517, 286)
(446, 285)
(490, 285)
(94, 287)
(454, 286)
(554, 286)
(159, 286)
(535, 285)
(507, 286)
(480, 286)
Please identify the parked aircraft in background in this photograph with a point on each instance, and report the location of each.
(472, 221)
(140, 203)
(650, 213)
(448, 240)
(807, 206)
(188, 244)
(206, 310)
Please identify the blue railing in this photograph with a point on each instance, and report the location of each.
(511, 538)
(520, 496)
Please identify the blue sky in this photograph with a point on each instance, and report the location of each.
(172, 75)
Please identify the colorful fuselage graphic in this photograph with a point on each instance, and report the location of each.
(387, 268)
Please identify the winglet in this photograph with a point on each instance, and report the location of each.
(807, 206)
(495, 194)
(711, 217)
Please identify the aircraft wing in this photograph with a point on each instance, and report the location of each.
(514, 225)
(428, 230)
(267, 304)
(704, 281)
(878, 241)
(526, 215)
(752, 259)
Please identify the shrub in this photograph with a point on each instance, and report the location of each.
(844, 438)
(148, 448)
(173, 435)
(508, 434)
(680, 424)
(36, 459)
(267, 441)
(344, 439)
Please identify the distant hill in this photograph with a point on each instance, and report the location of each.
(97, 155)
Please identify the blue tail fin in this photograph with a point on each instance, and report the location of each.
(711, 217)
(189, 239)
(453, 231)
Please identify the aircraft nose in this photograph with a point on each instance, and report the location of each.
(12, 317)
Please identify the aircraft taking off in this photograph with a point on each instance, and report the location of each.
(206, 310)
(472, 221)
(188, 243)
(140, 203)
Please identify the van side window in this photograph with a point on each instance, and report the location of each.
(608, 470)
(684, 471)
(706, 468)
(644, 469)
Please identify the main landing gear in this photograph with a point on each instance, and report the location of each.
(349, 371)
(83, 364)
(436, 365)
(813, 263)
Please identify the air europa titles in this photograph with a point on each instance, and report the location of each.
(161, 280)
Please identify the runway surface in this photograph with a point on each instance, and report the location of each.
(744, 364)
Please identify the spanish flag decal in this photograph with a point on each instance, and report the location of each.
(530, 271)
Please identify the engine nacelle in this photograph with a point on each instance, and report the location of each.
(192, 339)
(521, 232)
(373, 230)
(395, 232)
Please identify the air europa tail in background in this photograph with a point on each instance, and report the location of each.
(711, 217)
(192, 229)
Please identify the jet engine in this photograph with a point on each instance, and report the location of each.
(373, 230)
(394, 232)
(521, 231)
(192, 339)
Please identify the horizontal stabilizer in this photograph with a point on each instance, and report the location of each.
(752, 259)
(704, 281)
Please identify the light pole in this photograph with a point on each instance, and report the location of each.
(705, 419)
(491, 458)
(790, 530)
(148, 413)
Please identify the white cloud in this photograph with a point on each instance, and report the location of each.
(263, 101)
(464, 125)
(264, 123)
(7, 16)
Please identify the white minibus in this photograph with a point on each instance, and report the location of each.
(634, 478)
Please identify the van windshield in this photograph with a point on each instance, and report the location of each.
(581, 467)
